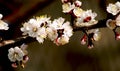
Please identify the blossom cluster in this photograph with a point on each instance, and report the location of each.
(42, 27)
(83, 18)
(59, 31)
(113, 24)
(91, 35)
(18, 55)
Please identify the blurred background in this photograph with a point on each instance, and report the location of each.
(49, 57)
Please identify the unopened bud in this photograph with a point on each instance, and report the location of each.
(117, 36)
(77, 3)
(84, 40)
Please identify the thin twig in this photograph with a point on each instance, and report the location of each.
(16, 42)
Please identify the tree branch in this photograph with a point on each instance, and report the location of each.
(26, 39)
(16, 42)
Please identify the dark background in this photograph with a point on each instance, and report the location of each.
(70, 57)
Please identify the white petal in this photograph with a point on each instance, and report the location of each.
(32, 20)
(118, 4)
(63, 40)
(67, 7)
(11, 57)
(1, 16)
(11, 50)
(78, 12)
(19, 57)
(39, 39)
(97, 36)
(52, 33)
(17, 49)
(3, 25)
(42, 32)
(113, 9)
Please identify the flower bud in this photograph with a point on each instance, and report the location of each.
(77, 3)
(90, 46)
(117, 36)
(111, 24)
(84, 40)
(14, 65)
(65, 1)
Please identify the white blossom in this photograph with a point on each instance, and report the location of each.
(3, 25)
(67, 7)
(15, 54)
(31, 28)
(87, 18)
(52, 33)
(60, 31)
(18, 55)
(114, 9)
(112, 24)
(36, 28)
(96, 34)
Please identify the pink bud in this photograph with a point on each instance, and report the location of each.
(77, 3)
(117, 36)
(57, 41)
(25, 59)
(14, 65)
(90, 46)
(84, 40)
(65, 1)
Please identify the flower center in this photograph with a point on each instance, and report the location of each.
(15, 54)
(43, 24)
(60, 32)
(87, 19)
(35, 29)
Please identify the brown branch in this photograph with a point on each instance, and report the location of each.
(16, 42)
(26, 39)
